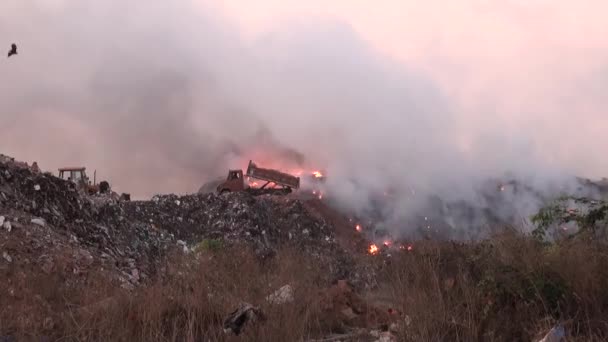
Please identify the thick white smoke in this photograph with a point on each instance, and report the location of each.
(160, 97)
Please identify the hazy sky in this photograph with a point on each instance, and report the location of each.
(160, 96)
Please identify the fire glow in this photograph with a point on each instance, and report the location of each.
(317, 174)
(358, 228)
(373, 249)
(409, 248)
(252, 183)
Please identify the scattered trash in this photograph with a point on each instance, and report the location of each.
(349, 313)
(8, 338)
(355, 335)
(8, 226)
(48, 323)
(556, 334)
(135, 274)
(39, 221)
(184, 246)
(386, 337)
(37, 187)
(47, 266)
(104, 305)
(239, 318)
(408, 320)
(7, 257)
(448, 283)
(281, 296)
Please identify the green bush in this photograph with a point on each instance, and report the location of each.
(211, 245)
(589, 216)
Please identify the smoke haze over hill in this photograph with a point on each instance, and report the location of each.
(161, 97)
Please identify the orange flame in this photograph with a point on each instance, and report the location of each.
(317, 174)
(373, 249)
(252, 183)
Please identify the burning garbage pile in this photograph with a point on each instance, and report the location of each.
(48, 226)
(44, 220)
(497, 203)
(264, 222)
(138, 234)
(240, 216)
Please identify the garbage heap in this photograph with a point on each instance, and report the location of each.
(263, 222)
(133, 238)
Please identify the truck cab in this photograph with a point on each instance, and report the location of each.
(74, 174)
(234, 182)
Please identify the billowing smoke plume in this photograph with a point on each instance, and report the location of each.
(161, 97)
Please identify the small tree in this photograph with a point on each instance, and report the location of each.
(589, 215)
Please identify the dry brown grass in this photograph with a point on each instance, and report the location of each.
(510, 288)
(507, 289)
(189, 303)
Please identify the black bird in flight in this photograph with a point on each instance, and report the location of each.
(13, 50)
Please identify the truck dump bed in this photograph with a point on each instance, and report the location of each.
(274, 176)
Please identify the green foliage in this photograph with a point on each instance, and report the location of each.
(588, 219)
(507, 285)
(212, 245)
(551, 288)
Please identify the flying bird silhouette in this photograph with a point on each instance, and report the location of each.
(13, 50)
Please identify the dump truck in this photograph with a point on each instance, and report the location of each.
(280, 182)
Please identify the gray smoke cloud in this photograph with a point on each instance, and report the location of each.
(160, 97)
